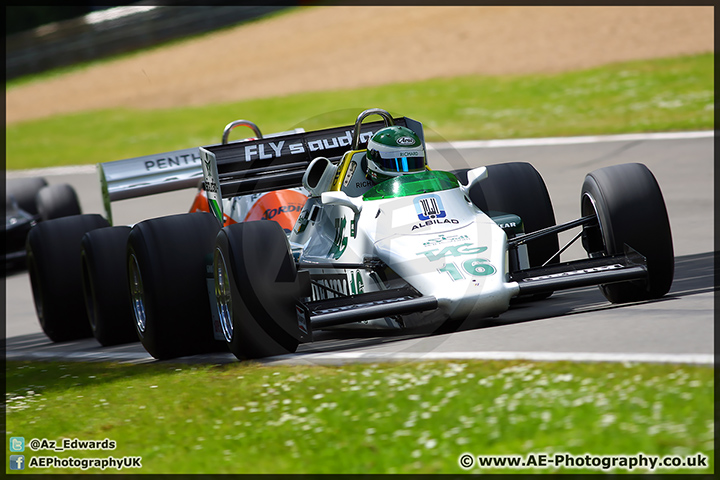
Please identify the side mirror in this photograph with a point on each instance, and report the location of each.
(474, 176)
(342, 198)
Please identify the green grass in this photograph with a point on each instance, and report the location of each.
(399, 418)
(644, 96)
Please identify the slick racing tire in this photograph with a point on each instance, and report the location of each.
(519, 189)
(56, 201)
(53, 261)
(105, 285)
(256, 289)
(24, 191)
(166, 262)
(630, 210)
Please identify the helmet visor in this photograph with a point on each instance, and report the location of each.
(398, 164)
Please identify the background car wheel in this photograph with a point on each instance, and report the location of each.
(630, 210)
(56, 201)
(24, 191)
(519, 189)
(53, 261)
(105, 285)
(166, 261)
(256, 289)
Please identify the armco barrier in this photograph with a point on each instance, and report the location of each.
(77, 40)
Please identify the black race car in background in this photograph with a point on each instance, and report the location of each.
(27, 202)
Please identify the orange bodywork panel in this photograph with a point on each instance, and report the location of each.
(282, 206)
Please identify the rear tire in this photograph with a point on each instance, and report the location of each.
(56, 201)
(630, 210)
(105, 285)
(53, 261)
(166, 261)
(256, 289)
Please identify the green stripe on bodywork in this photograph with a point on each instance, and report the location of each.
(216, 210)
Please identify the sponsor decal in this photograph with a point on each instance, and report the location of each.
(259, 151)
(302, 323)
(603, 268)
(445, 239)
(276, 149)
(210, 176)
(427, 223)
(340, 241)
(357, 285)
(271, 212)
(349, 174)
(334, 281)
(210, 185)
(475, 267)
(453, 251)
(409, 153)
(405, 141)
(429, 207)
(175, 161)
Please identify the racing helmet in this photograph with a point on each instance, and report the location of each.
(394, 151)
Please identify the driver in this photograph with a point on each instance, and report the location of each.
(394, 151)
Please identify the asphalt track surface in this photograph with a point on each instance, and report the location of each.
(575, 325)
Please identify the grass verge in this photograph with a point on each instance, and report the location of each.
(643, 96)
(393, 418)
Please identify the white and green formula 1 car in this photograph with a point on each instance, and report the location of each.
(424, 248)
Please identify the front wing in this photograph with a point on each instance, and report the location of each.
(321, 314)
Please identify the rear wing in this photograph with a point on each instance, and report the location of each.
(264, 165)
(148, 175)
(160, 172)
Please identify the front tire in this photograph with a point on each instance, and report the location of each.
(166, 261)
(53, 261)
(630, 210)
(105, 285)
(518, 188)
(256, 289)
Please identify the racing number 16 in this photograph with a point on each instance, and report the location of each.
(476, 267)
